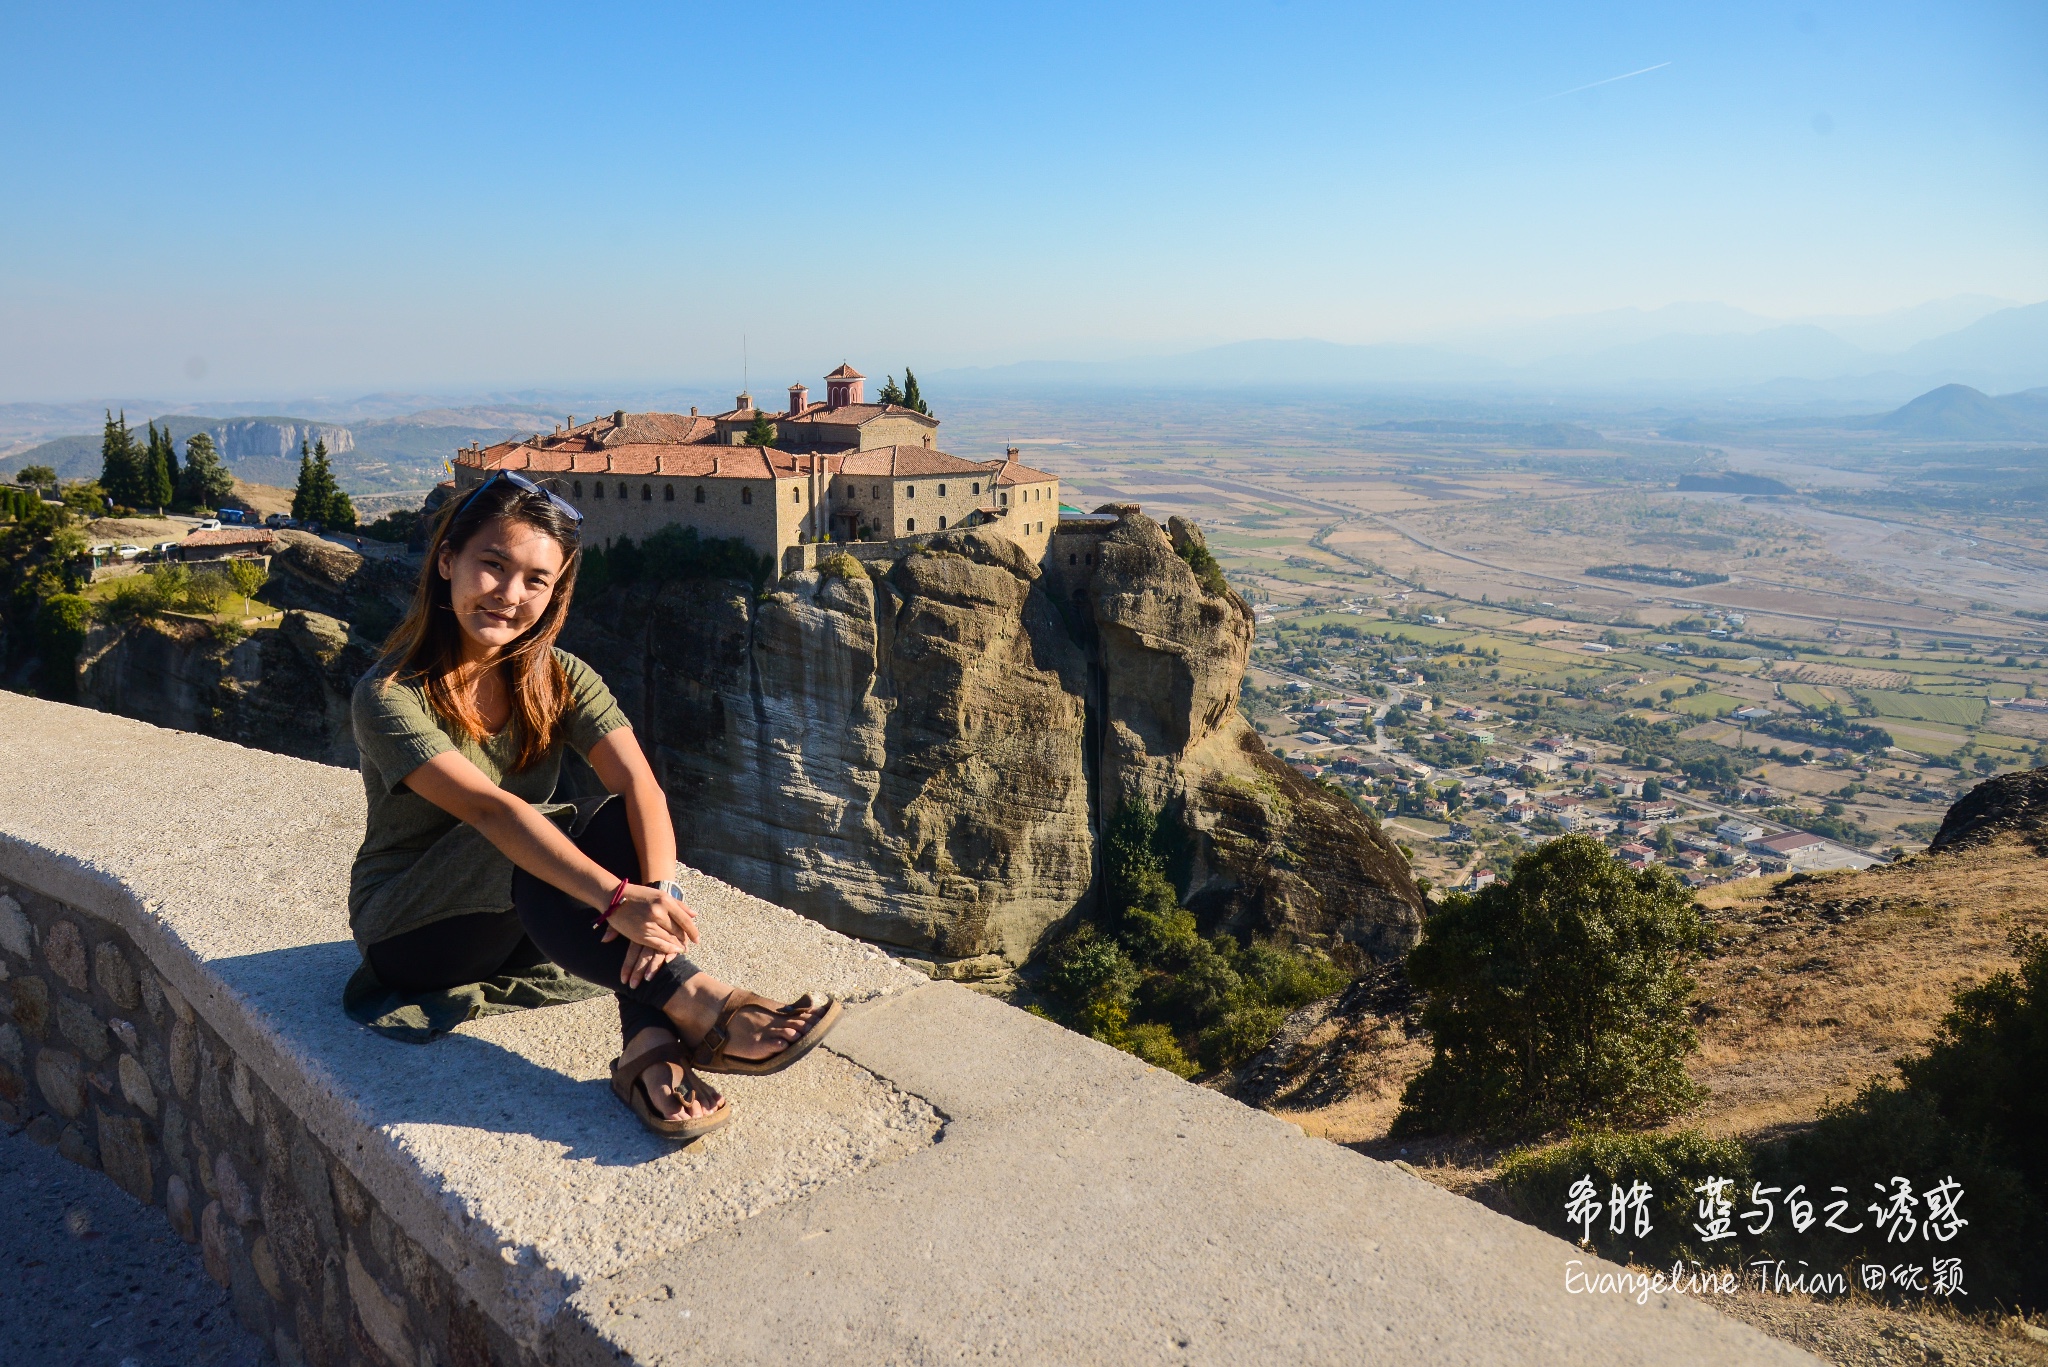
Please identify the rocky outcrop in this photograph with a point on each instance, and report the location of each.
(922, 751)
(2015, 803)
(285, 689)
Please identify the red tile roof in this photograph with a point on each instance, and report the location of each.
(906, 460)
(845, 372)
(1010, 472)
(855, 414)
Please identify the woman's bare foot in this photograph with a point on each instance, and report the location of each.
(695, 1007)
(674, 1091)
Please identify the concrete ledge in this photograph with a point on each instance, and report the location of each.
(951, 1178)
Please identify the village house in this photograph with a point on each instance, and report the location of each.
(842, 470)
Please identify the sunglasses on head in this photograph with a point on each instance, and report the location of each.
(525, 485)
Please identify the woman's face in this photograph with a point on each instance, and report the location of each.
(501, 582)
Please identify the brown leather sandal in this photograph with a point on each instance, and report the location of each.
(628, 1086)
(710, 1055)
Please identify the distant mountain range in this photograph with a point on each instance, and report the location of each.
(1680, 349)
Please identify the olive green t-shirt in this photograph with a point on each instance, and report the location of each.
(418, 864)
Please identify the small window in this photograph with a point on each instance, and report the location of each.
(647, 493)
(875, 492)
(942, 491)
(700, 494)
(910, 491)
(598, 489)
(909, 524)
(942, 522)
(746, 494)
(577, 488)
(622, 490)
(796, 495)
(1003, 498)
(1071, 558)
(668, 493)
(977, 488)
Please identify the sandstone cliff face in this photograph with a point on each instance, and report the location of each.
(285, 690)
(922, 752)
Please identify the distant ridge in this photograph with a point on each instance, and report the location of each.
(1956, 411)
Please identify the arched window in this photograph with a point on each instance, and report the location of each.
(668, 493)
(577, 488)
(700, 493)
(875, 492)
(598, 488)
(796, 494)
(910, 491)
(746, 494)
(1003, 498)
(1071, 558)
(942, 522)
(942, 491)
(647, 493)
(977, 487)
(909, 524)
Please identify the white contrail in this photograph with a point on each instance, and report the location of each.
(1609, 81)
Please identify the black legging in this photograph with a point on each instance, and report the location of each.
(544, 923)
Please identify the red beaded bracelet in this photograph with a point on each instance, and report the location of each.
(618, 896)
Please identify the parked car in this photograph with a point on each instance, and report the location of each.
(126, 552)
(211, 524)
(232, 515)
(162, 549)
(277, 520)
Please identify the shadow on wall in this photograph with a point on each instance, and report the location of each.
(459, 1080)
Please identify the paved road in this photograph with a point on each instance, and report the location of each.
(91, 1277)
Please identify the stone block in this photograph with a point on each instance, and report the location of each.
(61, 1078)
(125, 1034)
(295, 1242)
(152, 990)
(124, 1154)
(13, 1086)
(382, 1319)
(44, 1130)
(215, 1229)
(180, 1008)
(241, 1092)
(31, 1009)
(287, 1348)
(977, 969)
(116, 976)
(230, 1194)
(171, 1135)
(10, 1046)
(184, 1059)
(73, 1145)
(64, 952)
(178, 1205)
(309, 1176)
(469, 1339)
(349, 1196)
(417, 1272)
(17, 936)
(135, 1085)
(312, 1338)
(86, 1031)
(264, 1262)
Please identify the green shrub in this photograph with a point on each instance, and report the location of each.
(1556, 997)
(1537, 1182)
(61, 624)
(1203, 562)
(670, 554)
(1143, 977)
(841, 566)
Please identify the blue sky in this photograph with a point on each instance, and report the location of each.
(232, 200)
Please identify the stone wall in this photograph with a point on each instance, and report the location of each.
(105, 1061)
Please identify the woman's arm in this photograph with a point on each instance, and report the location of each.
(646, 915)
(622, 767)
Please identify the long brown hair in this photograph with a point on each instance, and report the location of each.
(427, 646)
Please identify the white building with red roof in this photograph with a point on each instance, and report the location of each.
(842, 470)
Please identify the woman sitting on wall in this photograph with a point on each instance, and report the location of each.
(468, 873)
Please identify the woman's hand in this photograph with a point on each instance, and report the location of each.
(641, 964)
(651, 918)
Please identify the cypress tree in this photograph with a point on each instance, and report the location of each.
(204, 481)
(170, 461)
(119, 461)
(307, 491)
(912, 400)
(153, 484)
(335, 508)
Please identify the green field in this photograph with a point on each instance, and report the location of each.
(1708, 705)
(1807, 696)
(1949, 710)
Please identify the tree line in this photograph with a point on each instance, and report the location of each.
(148, 474)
